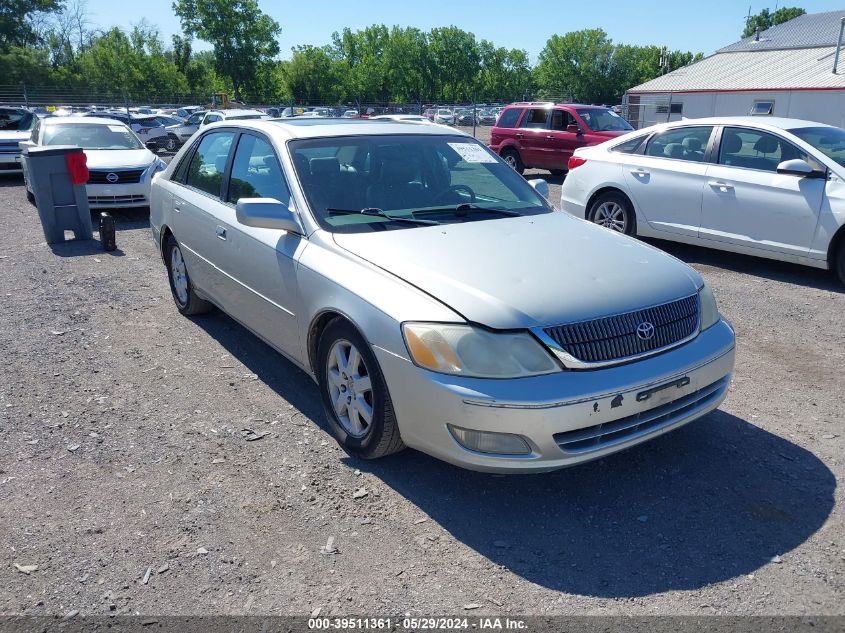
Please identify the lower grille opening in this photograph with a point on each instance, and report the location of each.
(617, 431)
(127, 199)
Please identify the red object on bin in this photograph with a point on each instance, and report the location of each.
(77, 165)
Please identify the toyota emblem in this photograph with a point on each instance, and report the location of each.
(645, 331)
(112, 177)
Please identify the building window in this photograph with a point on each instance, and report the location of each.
(763, 108)
(676, 108)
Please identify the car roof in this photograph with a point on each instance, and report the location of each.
(79, 119)
(333, 127)
(776, 123)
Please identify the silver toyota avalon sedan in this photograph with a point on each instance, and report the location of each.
(435, 296)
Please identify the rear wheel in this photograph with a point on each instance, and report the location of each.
(171, 144)
(187, 301)
(511, 157)
(354, 393)
(558, 173)
(613, 211)
(839, 262)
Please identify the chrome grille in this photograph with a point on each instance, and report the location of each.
(599, 436)
(118, 200)
(615, 338)
(97, 177)
(10, 148)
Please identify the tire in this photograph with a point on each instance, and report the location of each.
(558, 173)
(613, 211)
(839, 262)
(511, 157)
(371, 439)
(30, 196)
(184, 296)
(171, 144)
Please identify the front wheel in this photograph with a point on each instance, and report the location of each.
(171, 144)
(354, 393)
(511, 157)
(613, 211)
(187, 301)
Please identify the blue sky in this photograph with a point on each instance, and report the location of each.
(698, 26)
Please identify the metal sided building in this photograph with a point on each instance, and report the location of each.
(791, 70)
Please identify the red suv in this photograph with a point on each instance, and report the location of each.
(544, 135)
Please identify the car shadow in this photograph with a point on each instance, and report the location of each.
(124, 219)
(750, 265)
(712, 501)
(82, 248)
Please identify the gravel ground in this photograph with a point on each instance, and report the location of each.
(126, 477)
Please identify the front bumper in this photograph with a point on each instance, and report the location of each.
(566, 418)
(119, 196)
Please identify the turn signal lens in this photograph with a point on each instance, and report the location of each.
(488, 442)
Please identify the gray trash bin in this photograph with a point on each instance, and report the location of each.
(62, 205)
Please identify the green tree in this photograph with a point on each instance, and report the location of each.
(766, 20)
(243, 38)
(313, 76)
(455, 57)
(16, 16)
(577, 65)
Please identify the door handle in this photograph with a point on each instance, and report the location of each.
(640, 172)
(221, 233)
(549, 136)
(722, 186)
(520, 135)
(177, 205)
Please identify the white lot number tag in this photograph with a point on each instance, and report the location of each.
(116, 128)
(472, 153)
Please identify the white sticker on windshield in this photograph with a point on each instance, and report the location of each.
(472, 153)
(116, 128)
(612, 113)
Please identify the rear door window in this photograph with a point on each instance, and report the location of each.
(535, 118)
(685, 143)
(509, 117)
(209, 162)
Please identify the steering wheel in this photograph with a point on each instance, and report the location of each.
(454, 189)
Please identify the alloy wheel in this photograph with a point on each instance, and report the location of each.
(179, 275)
(350, 388)
(611, 215)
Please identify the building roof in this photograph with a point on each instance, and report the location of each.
(791, 56)
(806, 31)
(803, 68)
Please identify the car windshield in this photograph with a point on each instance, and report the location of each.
(373, 183)
(603, 120)
(830, 141)
(92, 136)
(16, 120)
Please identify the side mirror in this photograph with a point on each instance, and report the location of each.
(267, 213)
(799, 167)
(573, 129)
(540, 186)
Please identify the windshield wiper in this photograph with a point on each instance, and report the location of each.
(465, 208)
(375, 211)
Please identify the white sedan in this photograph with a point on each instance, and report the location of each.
(120, 167)
(769, 187)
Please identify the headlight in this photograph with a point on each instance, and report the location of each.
(470, 351)
(709, 310)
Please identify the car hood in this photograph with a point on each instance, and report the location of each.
(119, 158)
(530, 271)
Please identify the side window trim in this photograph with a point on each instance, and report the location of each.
(179, 177)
